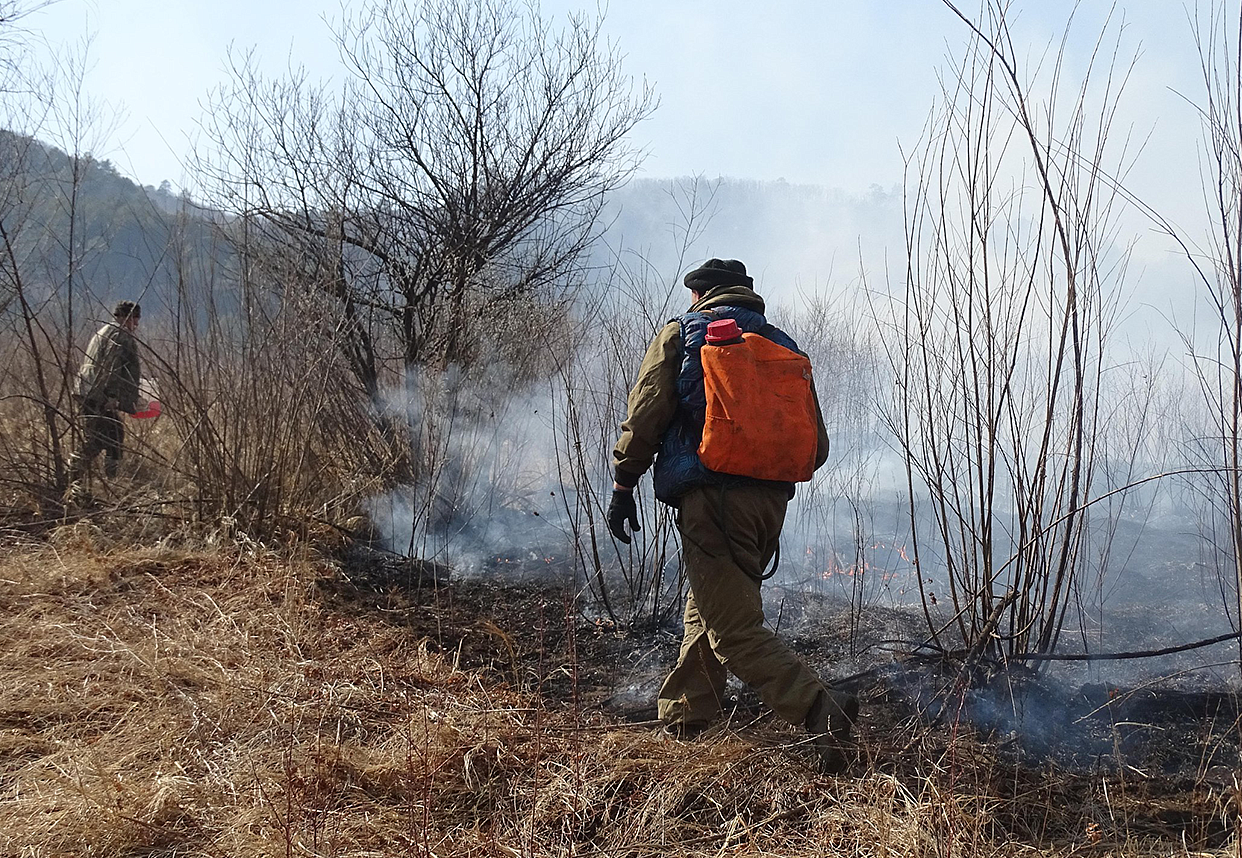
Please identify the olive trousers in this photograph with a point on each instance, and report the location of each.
(102, 432)
(728, 538)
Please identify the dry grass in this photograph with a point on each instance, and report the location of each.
(171, 702)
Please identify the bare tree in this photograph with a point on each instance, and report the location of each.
(1218, 364)
(642, 582)
(15, 42)
(1000, 332)
(457, 171)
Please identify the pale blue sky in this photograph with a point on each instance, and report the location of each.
(811, 91)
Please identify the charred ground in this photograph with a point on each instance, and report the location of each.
(1159, 757)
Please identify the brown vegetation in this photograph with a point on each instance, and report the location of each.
(234, 701)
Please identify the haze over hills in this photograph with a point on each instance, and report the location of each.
(795, 238)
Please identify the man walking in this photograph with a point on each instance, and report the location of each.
(107, 381)
(730, 526)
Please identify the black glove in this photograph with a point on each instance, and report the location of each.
(620, 508)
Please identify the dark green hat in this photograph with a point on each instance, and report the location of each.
(717, 272)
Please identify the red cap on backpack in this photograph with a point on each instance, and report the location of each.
(723, 331)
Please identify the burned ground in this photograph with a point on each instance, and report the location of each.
(1053, 754)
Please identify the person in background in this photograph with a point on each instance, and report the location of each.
(729, 525)
(107, 383)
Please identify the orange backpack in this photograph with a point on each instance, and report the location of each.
(760, 419)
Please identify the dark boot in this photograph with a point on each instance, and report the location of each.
(829, 722)
(677, 731)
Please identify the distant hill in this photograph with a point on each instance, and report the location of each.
(78, 225)
(129, 240)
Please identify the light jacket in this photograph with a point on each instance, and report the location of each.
(110, 370)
